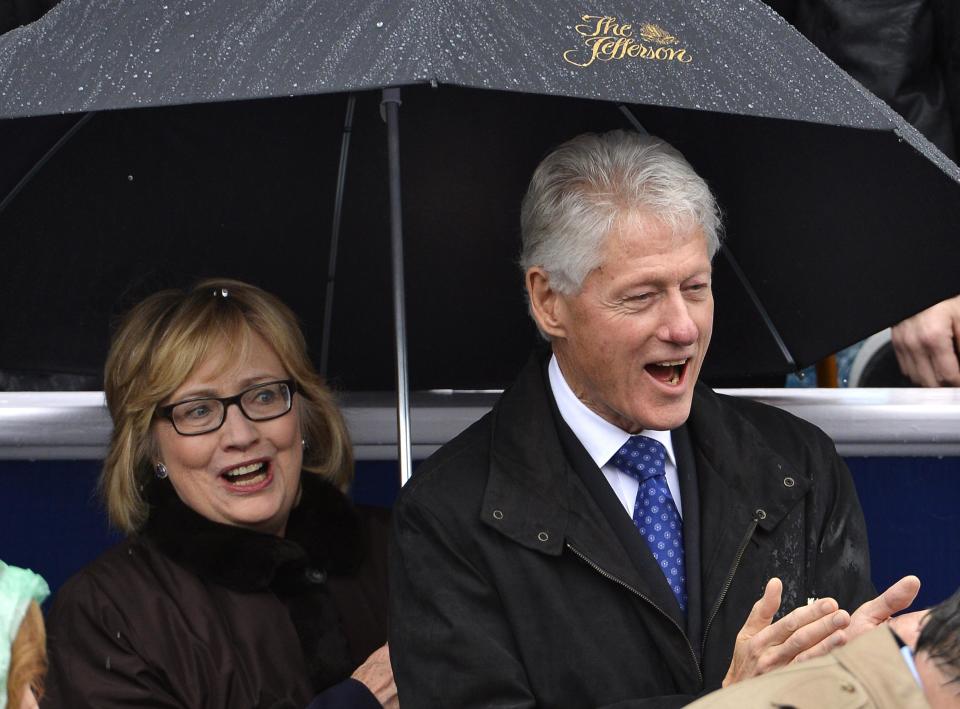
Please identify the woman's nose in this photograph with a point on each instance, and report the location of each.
(238, 431)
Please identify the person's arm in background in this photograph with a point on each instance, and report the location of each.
(896, 49)
(928, 345)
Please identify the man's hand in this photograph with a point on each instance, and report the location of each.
(762, 647)
(872, 613)
(926, 345)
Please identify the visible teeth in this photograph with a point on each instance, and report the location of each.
(675, 363)
(244, 470)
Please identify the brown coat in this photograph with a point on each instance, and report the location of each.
(195, 614)
(869, 673)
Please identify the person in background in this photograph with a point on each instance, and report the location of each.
(23, 649)
(248, 578)
(614, 532)
(928, 345)
(909, 663)
(907, 52)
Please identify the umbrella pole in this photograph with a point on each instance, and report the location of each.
(390, 104)
(335, 236)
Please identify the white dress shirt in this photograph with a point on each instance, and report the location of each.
(602, 440)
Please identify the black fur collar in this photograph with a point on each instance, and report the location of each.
(324, 536)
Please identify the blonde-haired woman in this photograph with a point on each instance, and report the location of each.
(23, 651)
(247, 578)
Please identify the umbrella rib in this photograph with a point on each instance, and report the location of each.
(54, 149)
(638, 126)
(335, 234)
(634, 121)
(759, 306)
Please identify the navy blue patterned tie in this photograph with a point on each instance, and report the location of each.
(654, 513)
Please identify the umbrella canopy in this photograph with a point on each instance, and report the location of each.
(148, 143)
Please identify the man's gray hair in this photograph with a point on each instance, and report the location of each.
(581, 189)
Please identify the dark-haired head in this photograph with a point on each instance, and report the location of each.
(940, 640)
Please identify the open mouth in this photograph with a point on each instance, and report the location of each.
(670, 372)
(246, 475)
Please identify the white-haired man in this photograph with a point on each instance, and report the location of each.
(601, 538)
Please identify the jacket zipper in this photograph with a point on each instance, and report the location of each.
(726, 584)
(611, 577)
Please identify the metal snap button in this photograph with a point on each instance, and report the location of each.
(789, 482)
(316, 575)
(498, 514)
(543, 536)
(760, 514)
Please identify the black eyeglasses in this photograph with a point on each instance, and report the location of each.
(262, 402)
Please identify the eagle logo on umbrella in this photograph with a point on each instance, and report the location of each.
(653, 33)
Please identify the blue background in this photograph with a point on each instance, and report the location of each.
(53, 522)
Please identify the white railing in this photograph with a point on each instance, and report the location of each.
(862, 422)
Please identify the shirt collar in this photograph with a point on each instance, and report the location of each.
(599, 437)
(907, 653)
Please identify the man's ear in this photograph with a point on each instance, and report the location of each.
(546, 304)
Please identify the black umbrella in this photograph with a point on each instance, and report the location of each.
(242, 122)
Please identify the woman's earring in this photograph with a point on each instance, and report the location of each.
(161, 471)
(303, 442)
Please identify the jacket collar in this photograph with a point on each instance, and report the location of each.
(534, 497)
(323, 536)
(742, 480)
(737, 451)
(544, 491)
(527, 493)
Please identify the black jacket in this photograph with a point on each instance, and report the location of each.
(518, 580)
(907, 52)
(192, 614)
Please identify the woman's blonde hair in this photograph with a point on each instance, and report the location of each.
(28, 657)
(158, 345)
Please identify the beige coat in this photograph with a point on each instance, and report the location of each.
(870, 673)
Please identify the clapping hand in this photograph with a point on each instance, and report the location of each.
(808, 631)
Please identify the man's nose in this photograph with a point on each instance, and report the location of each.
(238, 431)
(676, 324)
